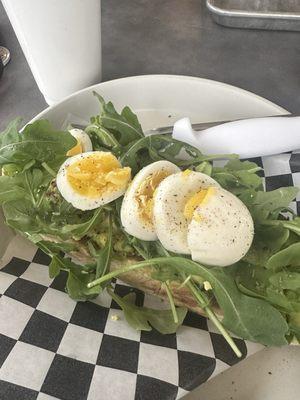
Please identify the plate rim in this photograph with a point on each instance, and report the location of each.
(280, 109)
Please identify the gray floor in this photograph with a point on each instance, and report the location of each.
(174, 37)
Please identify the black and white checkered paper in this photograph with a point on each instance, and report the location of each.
(54, 348)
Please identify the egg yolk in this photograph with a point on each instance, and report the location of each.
(97, 174)
(196, 200)
(145, 194)
(186, 173)
(77, 149)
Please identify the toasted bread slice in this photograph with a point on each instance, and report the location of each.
(139, 278)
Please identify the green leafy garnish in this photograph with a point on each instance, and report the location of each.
(143, 318)
(125, 127)
(239, 310)
(38, 142)
(285, 258)
(259, 297)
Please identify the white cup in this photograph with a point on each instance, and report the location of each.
(61, 40)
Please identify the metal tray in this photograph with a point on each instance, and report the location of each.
(257, 14)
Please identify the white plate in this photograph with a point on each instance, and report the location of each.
(160, 100)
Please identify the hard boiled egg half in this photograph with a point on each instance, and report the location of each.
(220, 230)
(171, 198)
(92, 179)
(83, 144)
(137, 206)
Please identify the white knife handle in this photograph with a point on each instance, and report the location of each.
(248, 138)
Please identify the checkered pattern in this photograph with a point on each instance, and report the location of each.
(54, 348)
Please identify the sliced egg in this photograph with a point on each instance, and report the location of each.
(92, 179)
(83, 144)
(171, 197)
(221, 229)
(137, 206)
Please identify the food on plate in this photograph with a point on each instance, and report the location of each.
(221, 229)
(137, 205)
(83, 142)
(172, 198)
(92, 179)
(207, 239)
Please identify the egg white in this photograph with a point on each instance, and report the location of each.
(78, 200)
(131, 218)
(83, 138)
(221, 230)
(170, 198)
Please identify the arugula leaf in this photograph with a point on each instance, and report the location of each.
(77, 286)
(237, 181)
(35, 182)
(53, 250)
(103, 256)
(125, 124)
(142, 318)
(27, 185)
(147, 249)
(238, 165)
(78, 275)
(79, 230)
(294, 323)
(10, 189)
(38, 141)
(293, 225)
(54, 267)
(252, 280)
(31, 206)
(267, 202)
(256, 281)
(237, 176)
(20, 215)
(102, 137)
(205, 167)
(267, 240)
(12, 131)
(131, 117)
(11, 169)
(8, 136)
(284, 258)
(286, 280)
(279, 299)
(164, 273)
(247, 317)
(161, 147)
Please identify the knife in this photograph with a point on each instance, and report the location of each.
(252, 137)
